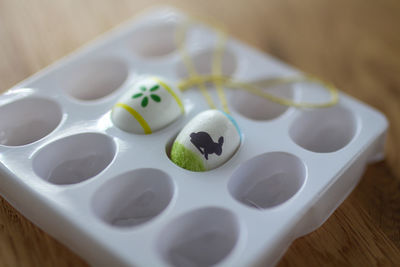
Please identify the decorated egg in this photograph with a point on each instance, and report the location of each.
(206, 142)
(149, 105)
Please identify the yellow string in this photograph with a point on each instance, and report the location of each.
(217, 69)
(220, 81)
(181, 40)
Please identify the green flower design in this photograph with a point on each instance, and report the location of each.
(145, 100)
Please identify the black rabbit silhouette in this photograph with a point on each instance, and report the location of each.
(205, 144)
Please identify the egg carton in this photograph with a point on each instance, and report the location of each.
(120, 201)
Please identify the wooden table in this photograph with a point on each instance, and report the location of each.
(353, 43)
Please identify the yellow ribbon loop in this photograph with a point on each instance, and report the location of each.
(220, 81)
(257, 89)
(181, 40)
(217, 69)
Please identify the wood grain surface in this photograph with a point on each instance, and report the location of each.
(353, 43)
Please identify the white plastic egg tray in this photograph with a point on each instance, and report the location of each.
(116, 199)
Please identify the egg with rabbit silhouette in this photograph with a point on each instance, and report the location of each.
(148, 106)
(206, 142)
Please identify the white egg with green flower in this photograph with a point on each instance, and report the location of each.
(149, 105)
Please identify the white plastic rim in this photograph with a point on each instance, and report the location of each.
(202, 62)
(94, 79)
(324, 130)
(133, 198)
(268, 180)
(28, 120)
(202, 237)
(74, 159)
(154, 40)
